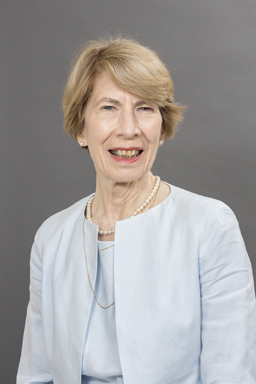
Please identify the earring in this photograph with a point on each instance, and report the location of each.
(161, 142)
(81, 144)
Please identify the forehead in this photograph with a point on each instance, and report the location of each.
(104, 87)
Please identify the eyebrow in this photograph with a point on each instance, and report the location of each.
(107, 100)
(116, 102)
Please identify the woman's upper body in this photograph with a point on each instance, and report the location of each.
(183, 283)
(184, 296)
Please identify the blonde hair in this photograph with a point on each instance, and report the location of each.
(131, 66)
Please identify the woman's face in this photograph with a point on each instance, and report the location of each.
(116, 121)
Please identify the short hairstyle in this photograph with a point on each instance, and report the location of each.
(131, 66)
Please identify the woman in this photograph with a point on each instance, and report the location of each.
(142, 281)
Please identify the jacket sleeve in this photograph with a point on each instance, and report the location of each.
(228, 306)
(33, 366)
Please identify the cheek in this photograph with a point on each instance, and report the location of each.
(100, 129)
(97, 136)
(154, 131)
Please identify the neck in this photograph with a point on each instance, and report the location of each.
(118, 201)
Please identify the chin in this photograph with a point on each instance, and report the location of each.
(127, 176)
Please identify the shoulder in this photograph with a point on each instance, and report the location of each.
(212, 220)
(197, 212)
(199, 205)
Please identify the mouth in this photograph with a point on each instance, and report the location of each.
(126, 154)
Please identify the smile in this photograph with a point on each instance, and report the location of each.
(122, 154)
(126, 156)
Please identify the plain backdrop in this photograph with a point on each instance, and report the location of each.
(210, 50)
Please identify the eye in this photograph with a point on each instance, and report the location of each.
(146, 109)
(108, 107)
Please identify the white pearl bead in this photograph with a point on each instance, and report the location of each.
(105, 232)
(101, 232)
(109, 232)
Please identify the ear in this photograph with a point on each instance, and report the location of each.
(82, 138)
(162, 135)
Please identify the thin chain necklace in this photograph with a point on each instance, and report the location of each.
(106, 248)
(151, 198)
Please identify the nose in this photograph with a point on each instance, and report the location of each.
(128, 124)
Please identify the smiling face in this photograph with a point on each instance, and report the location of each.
(115, 121)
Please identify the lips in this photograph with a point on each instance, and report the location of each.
(126, 155)
(124, 158)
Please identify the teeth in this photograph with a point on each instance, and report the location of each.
(126, 154)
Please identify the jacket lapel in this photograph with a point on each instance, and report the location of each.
(135, 296)
(140, 314)
(74, 302)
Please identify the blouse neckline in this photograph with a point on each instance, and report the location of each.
(105, 241)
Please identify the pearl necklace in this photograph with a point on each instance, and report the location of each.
(139, 210)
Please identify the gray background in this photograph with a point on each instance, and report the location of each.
(210, 49)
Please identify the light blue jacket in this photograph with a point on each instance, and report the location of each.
(184, 296)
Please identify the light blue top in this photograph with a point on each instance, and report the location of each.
(185, 308)
(101, 362)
